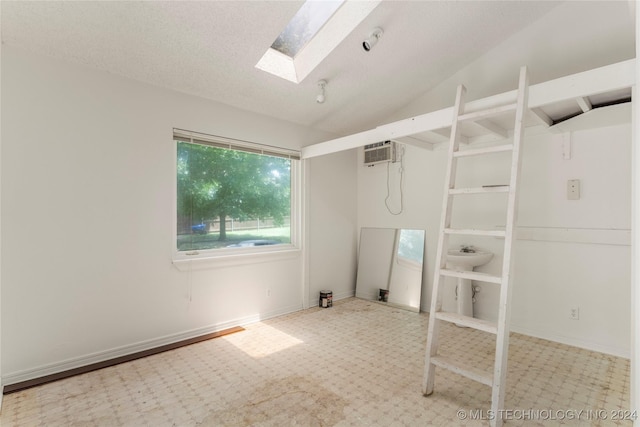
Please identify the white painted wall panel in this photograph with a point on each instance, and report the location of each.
(552, 273)
(375, 258)
(565, 52)
(554, 276)
(601, 159)
(551, 278)
(635, 223)
(333, 234)
(87, 178)
(1, 382)
(423, 186)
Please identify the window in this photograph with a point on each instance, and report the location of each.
(312, 34)
(304, 25)
(233, 196)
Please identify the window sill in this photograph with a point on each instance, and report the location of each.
(210, 261)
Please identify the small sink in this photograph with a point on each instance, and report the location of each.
(468, 259)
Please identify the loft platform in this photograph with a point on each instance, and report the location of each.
(599, 96)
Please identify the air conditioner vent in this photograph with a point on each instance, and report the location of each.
(379, 152)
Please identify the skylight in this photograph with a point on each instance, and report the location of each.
(304, 25)
(317, 28)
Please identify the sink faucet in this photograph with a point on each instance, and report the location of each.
(467, 249)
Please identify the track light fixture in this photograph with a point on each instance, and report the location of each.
(322, 84)
(373, 38)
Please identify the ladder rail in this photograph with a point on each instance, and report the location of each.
(443, 239)
(504, 305)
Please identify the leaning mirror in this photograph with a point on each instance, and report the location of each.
(390, 266)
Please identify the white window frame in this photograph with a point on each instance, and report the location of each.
(187, 260)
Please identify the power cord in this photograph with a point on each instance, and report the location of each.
(400, 154)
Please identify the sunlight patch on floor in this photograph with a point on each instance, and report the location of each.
(269, 341)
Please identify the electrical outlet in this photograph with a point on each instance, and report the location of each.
(574, 313)
(573, 189)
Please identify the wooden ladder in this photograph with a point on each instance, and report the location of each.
(495, 380)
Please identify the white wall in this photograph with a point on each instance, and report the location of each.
(595, 277)
(552, 47)
(606, 203)
(332, 240)
(423, 184)
(635, 223)
(375, 261)
(87, 178)
(550, 277)
(1, 383)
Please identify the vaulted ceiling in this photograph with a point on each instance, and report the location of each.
(210, 48)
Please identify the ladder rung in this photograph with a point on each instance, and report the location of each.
(471, 322)
(484, 150)
(471, 275)
(472, 232)
(460, 369)
(479, 190)
(477, 115)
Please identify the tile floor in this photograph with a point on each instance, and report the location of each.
(358, 363)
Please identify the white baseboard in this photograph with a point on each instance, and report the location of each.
(344, 295)
(587, 345)
(336, 297)
(101, 356)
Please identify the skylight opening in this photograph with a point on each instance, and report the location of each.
(317, 28)
(304, 26)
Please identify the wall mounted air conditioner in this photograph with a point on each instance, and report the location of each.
(379, 152)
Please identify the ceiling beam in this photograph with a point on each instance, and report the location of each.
(493, 128)
(584, 103)
(444, 133)
(542, 117)
(435, 136)
(418, 142)
(599, 80)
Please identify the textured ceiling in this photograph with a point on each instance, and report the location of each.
(210, 49)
